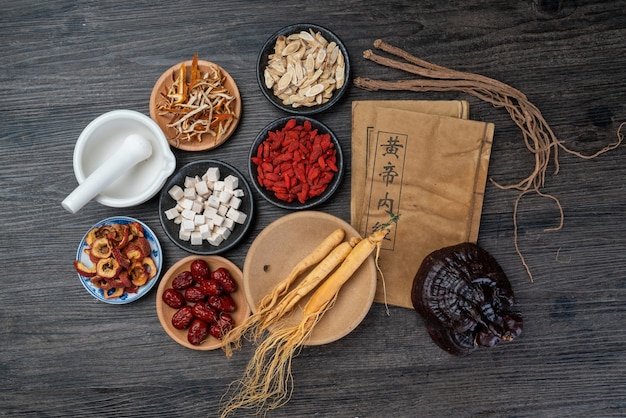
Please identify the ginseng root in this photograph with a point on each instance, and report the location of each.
(267, 382)
(258, 321)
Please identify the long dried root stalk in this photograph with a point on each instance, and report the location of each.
(267, 383)
(258, 321)
(310, 282)
(539, 138)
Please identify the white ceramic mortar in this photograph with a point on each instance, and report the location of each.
(98, 149)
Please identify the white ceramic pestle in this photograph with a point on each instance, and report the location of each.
(133, 150)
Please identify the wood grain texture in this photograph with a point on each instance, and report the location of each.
(62, 353)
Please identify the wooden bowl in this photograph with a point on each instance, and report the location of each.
(166, 312)
(162, 85)
(284, 243)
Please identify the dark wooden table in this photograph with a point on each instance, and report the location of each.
(63, 353)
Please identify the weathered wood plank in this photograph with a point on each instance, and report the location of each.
(62, 353)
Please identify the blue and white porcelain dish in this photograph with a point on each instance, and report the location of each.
(157, 256)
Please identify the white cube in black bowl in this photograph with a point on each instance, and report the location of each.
(296, 162)
(208, 218)
(313, 84)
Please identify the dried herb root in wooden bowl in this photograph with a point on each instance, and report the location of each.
(197, 105)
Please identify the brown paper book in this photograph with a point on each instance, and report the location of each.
(431, 170)
(363, 117)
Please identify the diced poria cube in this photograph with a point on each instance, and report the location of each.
(238, 193)
(188, 225)
(223, 232)
(213, 202)
(175, 192)
(218, 186)
(213, 174)
(235, 202)
(197, 207)
(188, 214)
(171, 213)
(228, 223)
(205, 231)
(190, 192)
(222, 209)
(225, 196)
(186, 203)
(236, 215)
(202, 188)
(231, 182)
(209, 212)
(189, 182)
(215, 239)
(196, 238)
(218, 220)
(184, 235)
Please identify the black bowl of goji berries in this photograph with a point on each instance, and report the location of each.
(296, 163)
(303, 69)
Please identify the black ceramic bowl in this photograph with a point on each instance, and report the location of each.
(296, 204)
(269, 48)
(199, 168)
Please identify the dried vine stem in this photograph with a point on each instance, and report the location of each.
(538, 137)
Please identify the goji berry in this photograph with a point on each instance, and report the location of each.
(316, 152)
(293, 145)
(283, 196)
(300, 174)
(272, 176)
(326, 177)
(313, 173)
(331, 165)
(291, 123)
(267, 167)
(287, 180)
(325, 141)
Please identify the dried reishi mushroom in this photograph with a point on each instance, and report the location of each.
(465, 299)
